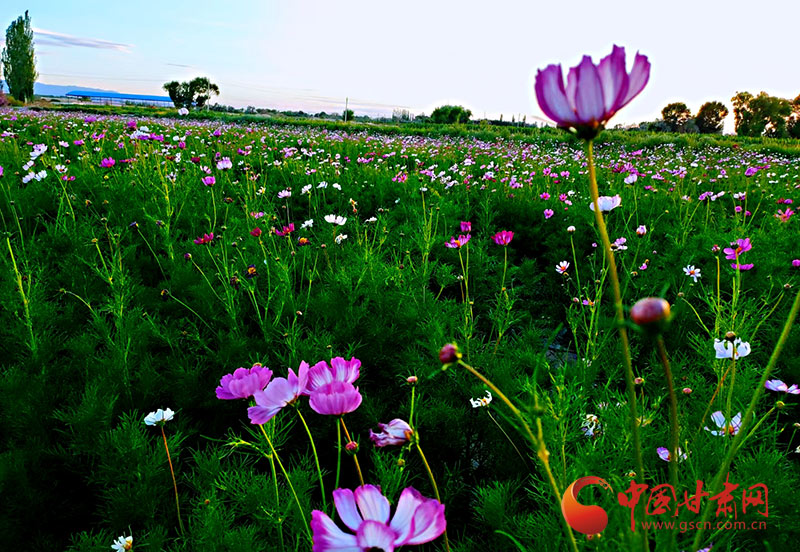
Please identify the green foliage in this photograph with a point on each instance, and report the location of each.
(194, 93)
(450, 115)
(676, 116)
(711, 117)
(18, 60)
(764, 115)
(347, 115)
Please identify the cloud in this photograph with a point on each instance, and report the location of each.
(60, 39)
(181, 65)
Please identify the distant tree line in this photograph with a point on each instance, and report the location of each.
(194, 93)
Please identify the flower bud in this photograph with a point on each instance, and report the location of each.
(651, 313)
(412, 380)
(687, 390)
(730, 336)
(780, 405)
(351, 447)
(638, 381)
(449, 354)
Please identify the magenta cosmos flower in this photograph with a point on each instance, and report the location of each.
(279, 393)
(330, 386)
(366, 512)
(458, 243)
(503, 237)
(339, 369)
(396, 432)
(738, 248)
(244, 382)
(593, 94)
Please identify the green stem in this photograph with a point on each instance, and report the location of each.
(355, 454)
(740, 435)
(620, 320)
(433, 484)
(673, 421)
(288, 480)
(174, 483)
(316, 460)
(277, 497)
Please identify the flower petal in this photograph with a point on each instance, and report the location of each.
(372, 504)
(373, 535)
(328, 537)
(589, 100)
(346, 506)
(551, 95)
(637, 79)
(614, 79)
(718, 418)
(428, 522)
(409, 500)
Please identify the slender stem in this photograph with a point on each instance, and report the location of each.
(277, 497)
(740, 435)
(288, 480)
(316, 459)
(537, 443)
(435, 488)
(355, 454)
(673, 421)
(174, 483)
(338, 454)
(620, 319)
(25, 302)
(729, 399)
(503, 431)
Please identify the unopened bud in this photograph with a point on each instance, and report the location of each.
(351, 447)
(449, 354)
(687, 390)
(651, 313)
(412, 379)
(730, 336)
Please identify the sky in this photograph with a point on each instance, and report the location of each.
(412, 54)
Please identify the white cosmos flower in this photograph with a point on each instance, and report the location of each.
(692, 272)
(122, 544)
(725, 348)
(607, 203)
(631, 178)
(590, 425)
(562, 267)
(335, 219)
(340, 238)
(183, 111)
(159, 417)
(482, 401)
(307, 224)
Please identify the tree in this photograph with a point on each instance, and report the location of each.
(451, 114)
(19, 60)
(711, 117)
(347, 115)
(194, 93)
(763, 115)
(793, 125)
(676, 115)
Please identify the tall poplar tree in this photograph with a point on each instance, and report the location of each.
(19, 63)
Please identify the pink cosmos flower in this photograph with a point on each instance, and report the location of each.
(725, 427)
(255, 232)
(335, 398)
(503, 237)
(779, 386)
(204, 239)
(593, 94)
(458, 243)
(339, 369)
(750, 171)
(224, 163)
(742, 246)
(280, 392)
(548, 213)
(796, 263)
(107, 162)
(367, 513)
(396, 432)
(607, 203)
(244, 382)
(562, 267)
(209, 180)
(784, 215)
(466, 226)
(285, 231)
(544, 195)
(663, 453)
(642, 230)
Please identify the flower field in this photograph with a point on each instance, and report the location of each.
(220, 336)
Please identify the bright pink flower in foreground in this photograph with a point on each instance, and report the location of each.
(725, 428)
(279, 393)
(779, 386)
(458, 243)
(339, 369)
(204, 239)
(107, 162)
(548, 213)
(244, 382)
(593, 94)
(209, 180)
(796, 263)
(503, 237)
(466, 226)
(335, 398)
(367, 513)
(396, 432)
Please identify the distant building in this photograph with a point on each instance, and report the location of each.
(115, 98)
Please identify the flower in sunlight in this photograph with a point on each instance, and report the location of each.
(562, 267)
(664, 454)
(159, 417)
(396, 432)
(482, 401)
(692, 272)
(781, 387)
(724, 427)
(725, 348)
(244, 382)
(607, 203)
(280, 392)
(122, 544)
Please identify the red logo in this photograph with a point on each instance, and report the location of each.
(588, 520)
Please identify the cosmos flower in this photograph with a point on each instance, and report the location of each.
(741, 246)
(692, 272)
(279, 393)
(183, 111)
(366, 512)
(642, 230)
(458, 243)
(284, 193)
(256, 232)
(340, 238)
(396, 432)
(779, 386)
(796, 263)
(285, 231)
(784, 215)
(548, 213)
(335, 398)
(466, 227)
(663, 453)
(122, 544)
(224, 164)
(590, 425)
(107, 162)
(244, 382)
(335, 219)
(593, 94)
(607, 203)
(482, 401)
(562, 267)
(209, 180)
(631, 178)
(724, 348)
(503, 237)
(724, 427)
(159, 417)
(204, 239)
(339, 369)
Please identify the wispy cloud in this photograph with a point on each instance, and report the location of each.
(181, 65)
(53, 38)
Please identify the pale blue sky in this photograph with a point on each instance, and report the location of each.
(413, 54)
